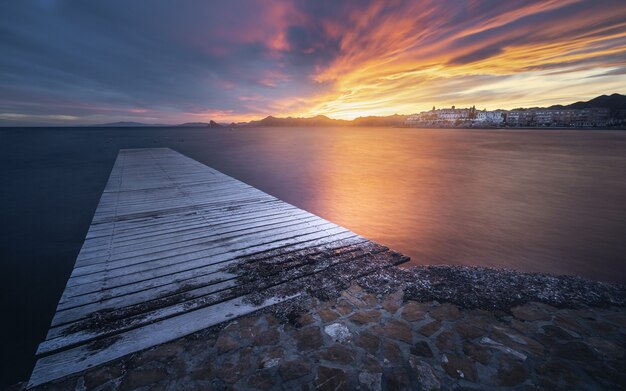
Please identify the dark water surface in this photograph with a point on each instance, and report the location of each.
(533, 200)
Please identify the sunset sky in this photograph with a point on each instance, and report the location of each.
(85, 62)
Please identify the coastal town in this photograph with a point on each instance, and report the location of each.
(538, 117)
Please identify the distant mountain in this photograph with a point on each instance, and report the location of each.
(193, 125)
(614, 102)
(130, 124)
(391, 120)
(127, 124)
(320, 120)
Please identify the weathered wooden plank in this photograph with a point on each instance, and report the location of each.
(179, 263)
(312, 247)
(167, 254)
(225, 202)
(190, 300)
(198, 248)
(106, 229)
(160, 227)
(87, 356)
(138, 277)
(179, 198)
(102, 292)
(196, 233)
(164, 229)
(168, 230)
(152, 287)
(91, 260)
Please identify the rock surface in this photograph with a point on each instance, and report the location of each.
(424, 328)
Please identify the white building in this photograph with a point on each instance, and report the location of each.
(492, 117)
(452, 114)
(440, 116)
(414, 119)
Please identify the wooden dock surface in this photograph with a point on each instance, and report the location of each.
(175, 247)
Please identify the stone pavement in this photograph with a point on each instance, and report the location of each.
(373, 340)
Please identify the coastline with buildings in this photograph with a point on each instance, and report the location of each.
(471, 117)
(603, 111)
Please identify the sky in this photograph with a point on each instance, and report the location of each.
(87, 62)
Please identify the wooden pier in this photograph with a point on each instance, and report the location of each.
(176, 247)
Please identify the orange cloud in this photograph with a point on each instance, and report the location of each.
(247, 59)
(411, 59)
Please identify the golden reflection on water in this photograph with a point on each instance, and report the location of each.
(532, 200)
(362, 193)
(458, 197)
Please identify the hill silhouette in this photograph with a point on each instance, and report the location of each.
(613, 102)
(322, 120)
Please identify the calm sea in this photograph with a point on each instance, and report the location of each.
(533, 200)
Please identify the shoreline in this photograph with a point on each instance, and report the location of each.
(501, 289)
(596, 128)
(437, 327)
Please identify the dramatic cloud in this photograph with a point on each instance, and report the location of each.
(166, 62)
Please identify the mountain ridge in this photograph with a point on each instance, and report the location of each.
(615, 102)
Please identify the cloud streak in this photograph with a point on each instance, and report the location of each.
(91, 61)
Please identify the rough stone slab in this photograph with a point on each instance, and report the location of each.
(328, 343)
